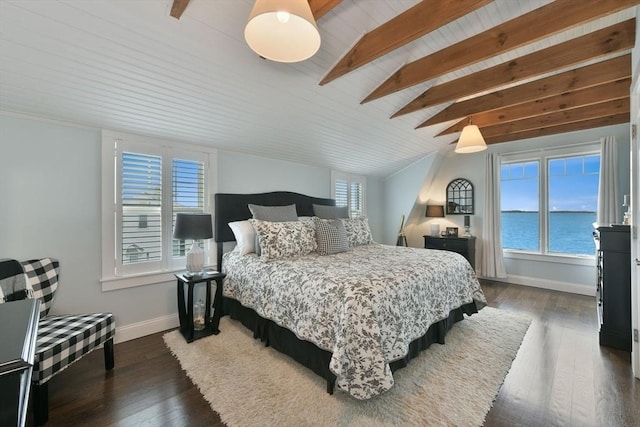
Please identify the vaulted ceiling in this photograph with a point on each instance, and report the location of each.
(393, 80)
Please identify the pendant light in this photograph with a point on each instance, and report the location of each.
(282, 30)
(471, 140)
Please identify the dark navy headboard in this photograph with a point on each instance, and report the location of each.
(235, 207)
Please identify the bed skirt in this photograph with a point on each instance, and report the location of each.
(316, 359)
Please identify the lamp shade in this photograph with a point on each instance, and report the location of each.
(471, 140)
(282, 30)
(193, 226)
(435, 211)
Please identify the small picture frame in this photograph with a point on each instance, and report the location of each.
(452, 231)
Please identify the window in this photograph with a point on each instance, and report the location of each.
(549, 201)
(349, 190)
(145, 184)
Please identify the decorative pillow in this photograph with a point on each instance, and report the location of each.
(284, 239)
(331, 236)
(274, 213)
(42, 277)
(245, 236)
(358, 231)
(331, 212)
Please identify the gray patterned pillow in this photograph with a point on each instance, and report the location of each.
(331, 236)
(331, 212)
(274, 213)
(285, 239)
(358, 231)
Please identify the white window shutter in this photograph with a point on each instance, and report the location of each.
(141, 200)
(187, 195)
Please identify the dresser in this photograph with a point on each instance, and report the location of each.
(613, 288)
(465, 246)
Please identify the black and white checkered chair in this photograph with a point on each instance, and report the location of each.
(64, 339)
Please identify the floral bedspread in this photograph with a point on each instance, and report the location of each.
(365, 305)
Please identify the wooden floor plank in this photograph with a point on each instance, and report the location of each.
(561, 376)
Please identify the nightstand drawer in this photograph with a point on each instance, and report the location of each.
(447, 244)
(465, 246)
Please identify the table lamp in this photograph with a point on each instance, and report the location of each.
(196, 227)
(435, 211)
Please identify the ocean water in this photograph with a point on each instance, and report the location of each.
(570, 232)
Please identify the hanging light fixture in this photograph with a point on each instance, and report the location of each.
(471, 140)
(282, 30)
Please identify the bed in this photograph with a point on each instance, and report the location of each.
(352, 317)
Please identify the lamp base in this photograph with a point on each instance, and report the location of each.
(467, 231)
(195, 259)
(435, 229)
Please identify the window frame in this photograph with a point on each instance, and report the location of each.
(115, 275)
(350, 179)
(543, 156)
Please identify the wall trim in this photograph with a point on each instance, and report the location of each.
(146, 327)
(553, 285)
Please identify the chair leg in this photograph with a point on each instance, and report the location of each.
(108, 355)
(40, 403)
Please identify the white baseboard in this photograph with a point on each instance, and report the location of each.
(553, 285)
(146, 327)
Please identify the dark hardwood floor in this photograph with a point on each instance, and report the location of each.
(561, 376)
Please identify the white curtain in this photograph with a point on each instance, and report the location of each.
(609, 203)
(492, 259)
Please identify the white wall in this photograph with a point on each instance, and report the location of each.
(50, 184)
(50, 207)
(404, 193)
(427, 180)
(243, 173)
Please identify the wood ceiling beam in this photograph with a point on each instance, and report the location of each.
(410, 25)
(595, 111)
(580, 78)
(319, 8)
(178, 7)
(608, 40)
(542, 22)
(563, 102)
(564, 128)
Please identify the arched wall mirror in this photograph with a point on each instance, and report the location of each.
(460, 197)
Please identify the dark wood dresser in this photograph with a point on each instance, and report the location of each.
(465, 246)
(18, 335)
(613, 291)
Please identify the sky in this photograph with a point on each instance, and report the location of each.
(573, 184)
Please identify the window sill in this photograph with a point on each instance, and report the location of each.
(588, 260)
(115, 283)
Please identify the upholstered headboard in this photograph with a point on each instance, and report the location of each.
(235, 207)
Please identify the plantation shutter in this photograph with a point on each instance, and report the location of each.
(187, 188)
(342, 192)
(356, 196)
(348, 190)
(141, 226)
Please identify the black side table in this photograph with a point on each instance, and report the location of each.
(465, 246)
(185, 309)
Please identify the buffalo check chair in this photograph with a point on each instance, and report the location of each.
(62, 339)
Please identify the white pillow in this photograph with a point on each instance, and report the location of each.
(245, 236)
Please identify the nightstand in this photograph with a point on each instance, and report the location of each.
(465, 246)
(185, 308)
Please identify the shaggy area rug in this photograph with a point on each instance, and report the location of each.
(452, 384)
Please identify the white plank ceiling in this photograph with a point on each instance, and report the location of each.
(129, 66)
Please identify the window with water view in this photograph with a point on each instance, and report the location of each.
(549, 204)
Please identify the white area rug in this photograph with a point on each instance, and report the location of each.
(452, 384)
